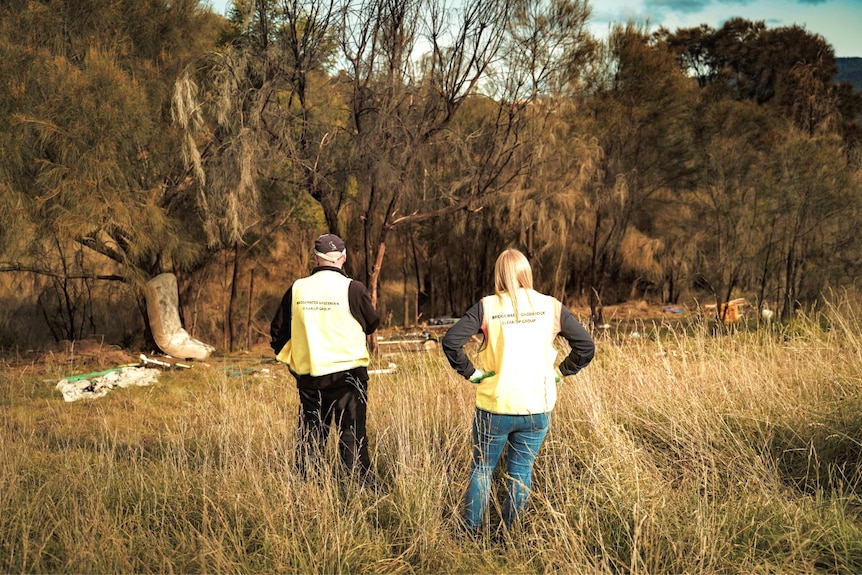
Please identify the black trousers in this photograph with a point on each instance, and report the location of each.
(346, 408)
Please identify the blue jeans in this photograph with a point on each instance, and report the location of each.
(524, 435)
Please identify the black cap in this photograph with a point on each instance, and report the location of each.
(328, 243)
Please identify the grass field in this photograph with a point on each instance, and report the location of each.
(682, 451)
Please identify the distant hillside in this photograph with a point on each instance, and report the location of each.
(850, 70)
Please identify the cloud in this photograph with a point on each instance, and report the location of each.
(685, 6)
(695, 6)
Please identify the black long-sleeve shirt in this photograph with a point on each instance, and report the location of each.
(582, 346)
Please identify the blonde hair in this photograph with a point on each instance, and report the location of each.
(512, 271)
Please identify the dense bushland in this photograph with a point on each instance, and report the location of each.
(142, 137)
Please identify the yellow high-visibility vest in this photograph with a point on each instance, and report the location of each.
(521, 353)
(324, 336)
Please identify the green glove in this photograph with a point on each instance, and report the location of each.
(479, 375)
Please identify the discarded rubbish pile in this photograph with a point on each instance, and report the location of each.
(98, 383)
(425, 341)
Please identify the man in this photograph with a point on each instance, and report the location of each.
(320, 332)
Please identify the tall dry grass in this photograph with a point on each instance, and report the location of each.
(683, 451)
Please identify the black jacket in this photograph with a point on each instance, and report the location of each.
(582, 346)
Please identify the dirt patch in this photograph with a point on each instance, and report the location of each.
(85, 352)
(95, 353)
(625, 312)
(638, 311)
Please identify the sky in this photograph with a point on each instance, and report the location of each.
(838, 21)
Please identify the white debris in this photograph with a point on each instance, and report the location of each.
(390, 368)
(99, 385)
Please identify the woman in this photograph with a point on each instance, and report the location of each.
(517, 385)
